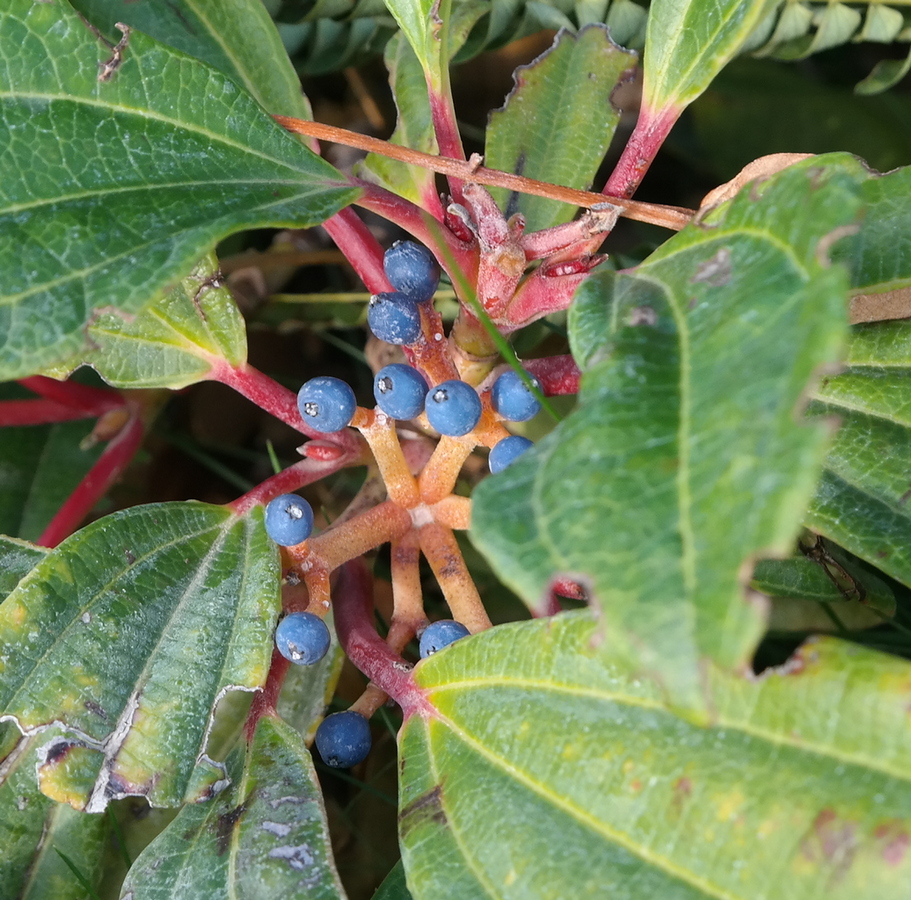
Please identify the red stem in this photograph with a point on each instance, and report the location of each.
(447, 134)
(288, 480)
(115, 458)
(38, 412)
(420, 225)
(649, 134)
(360, 247)
(91, 400)
(269, 395)
(557, 374)
(353, 609)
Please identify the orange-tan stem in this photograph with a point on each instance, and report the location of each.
(439, 545)
(379, 432)
(370, 701)
(439, 476)
(672, 217)
(317, 581)
(408, 602)
(331, 549)
(453, 512)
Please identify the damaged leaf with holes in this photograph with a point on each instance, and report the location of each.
(266, 836)
(674, 352)
(128, 635)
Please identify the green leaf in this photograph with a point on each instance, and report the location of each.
(824, 581)
(175, 341)
(128, 634)
(688, 42)
(423, 22)
(884, 75)
(34, 831)
(413, 129)
(40, 466)
(558, 121)
(879, 254)
(238, 38)
(264, 837)
(172, 157)
(17, 559)
(394, 886)
(835, 24)
(801, 788)
(414, 125)
(861, 502)
(685, 426)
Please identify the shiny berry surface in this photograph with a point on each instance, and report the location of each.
(302, 638)
(343, 739)
(400, 391)
(326, 404)
(512, 399)
(453, 408)
(411, 269)
(441, 634)
(394, 318)
(289, 520)
(507, 451)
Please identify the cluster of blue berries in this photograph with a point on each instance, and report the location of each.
(395, 316)
(453, 407)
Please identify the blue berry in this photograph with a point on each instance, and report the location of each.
(512, 399)
(453, 408)
(400, 391)
(394, 318)
(289, 520)
(412, 270)
(343, 739)
(303, 638)
(326, 404)
(507, 451)
(441, 634)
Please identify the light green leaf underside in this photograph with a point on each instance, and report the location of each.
(128, 634)
(17, 559)
(172, 156)
(558, 121)
(688, 42)
(40, 466)
(238, 37)
(695, 364)
(176, 340)
(862, 499)
(879, 254)
(264, 837)
(35, 830)
(599, 791)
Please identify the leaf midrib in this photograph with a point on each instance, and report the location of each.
(176, 124)
(104, 192)
(202, 227)
(86, 607)
(623, 700)
(581, 816)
